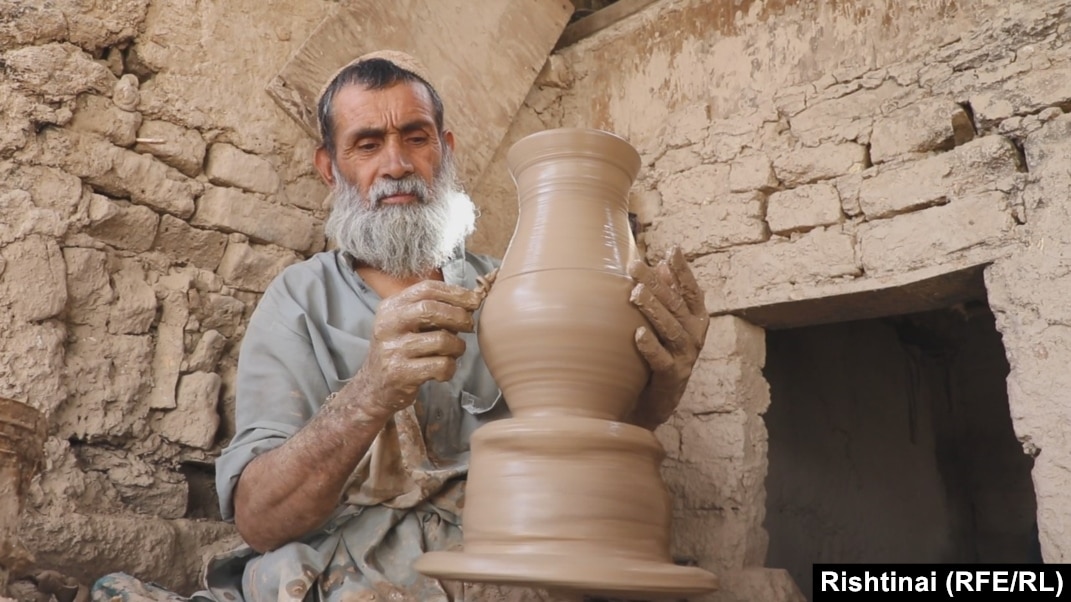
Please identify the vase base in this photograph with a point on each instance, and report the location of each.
(609, 576)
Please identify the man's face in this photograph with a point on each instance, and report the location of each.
(386, 134)
(397, 204)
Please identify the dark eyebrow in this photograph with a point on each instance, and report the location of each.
(416, 125)
(368, 133)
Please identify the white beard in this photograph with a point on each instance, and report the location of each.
(407, 240)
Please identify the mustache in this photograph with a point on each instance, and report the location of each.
(387, 187)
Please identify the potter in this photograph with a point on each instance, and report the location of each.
(361, 378)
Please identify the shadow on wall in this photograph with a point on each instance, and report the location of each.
(891, 441)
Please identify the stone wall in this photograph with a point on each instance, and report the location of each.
(800, 151)
(821, 161)
(149, 190)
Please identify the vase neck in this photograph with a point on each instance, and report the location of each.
(573, 214)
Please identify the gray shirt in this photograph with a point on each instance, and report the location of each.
(308, 335)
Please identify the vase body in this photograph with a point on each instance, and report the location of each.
(564, 494)
(557, 327)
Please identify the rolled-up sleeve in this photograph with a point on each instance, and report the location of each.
(279, 387)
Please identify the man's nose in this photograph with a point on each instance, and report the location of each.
(396, 162)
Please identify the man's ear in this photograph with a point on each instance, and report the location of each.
(322, 161)
(448, 139)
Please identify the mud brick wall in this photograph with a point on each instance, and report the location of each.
(807, 153)
(149, 190)
(800, 151)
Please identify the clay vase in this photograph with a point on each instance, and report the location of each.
(565, 495)
(22, 437)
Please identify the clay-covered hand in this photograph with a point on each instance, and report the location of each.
(414, 340)
(670, 298)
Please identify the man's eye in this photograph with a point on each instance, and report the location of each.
(367, 146)
(418, 139)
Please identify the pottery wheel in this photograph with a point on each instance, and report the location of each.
(597, 577)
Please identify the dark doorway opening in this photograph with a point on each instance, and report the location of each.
(890, 440)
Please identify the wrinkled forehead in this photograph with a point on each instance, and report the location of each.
(403, 105)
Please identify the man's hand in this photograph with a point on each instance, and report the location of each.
(672, 301)
(415, 340)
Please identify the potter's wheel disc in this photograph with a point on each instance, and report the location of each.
(593, 576)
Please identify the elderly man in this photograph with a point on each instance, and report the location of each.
(360, 378)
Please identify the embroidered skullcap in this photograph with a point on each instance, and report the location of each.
(399, 58)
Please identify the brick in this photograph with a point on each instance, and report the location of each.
(206, 354)
(686, 126)
(34, 357)
(848, 191)
(220, 312)
(99, 115)
(732, 219)
(194, 420)
(176, 146)
(34, 279)
(810, 164)
(171, 293)
(88, 286)
(252, 267)
(202, 248)
(719, 386)
(730, 336)
(307, 192)
(108, 376)
(678, 161)
(21, 218)
(121, 224)
(226, 165)
(118, 172)
(728, 137)
(135, 309)
(50, 188)
(921, 127)
(720, 436)
(57, 71)
(232, 210)
(803, 208)
(696, 186)
(930, 236)
(1031, 92)
(844, 116)
(752, 172)
(932, 181)
(818, 255)
(711, 272)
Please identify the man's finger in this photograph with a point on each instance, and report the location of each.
(661, 283)
(667, 290)
(421, 316)
(435, 290)
(656, 355)
(432, 344)
(431, 368)
(666, 325)
(689, 288)
(641, 272)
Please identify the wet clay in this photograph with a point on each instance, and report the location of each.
(22, 437)
(564, 495)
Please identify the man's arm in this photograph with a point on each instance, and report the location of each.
(673, 303)
(291, 490)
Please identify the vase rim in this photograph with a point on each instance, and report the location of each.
(573, 142)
